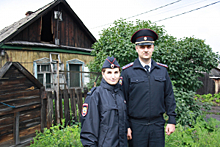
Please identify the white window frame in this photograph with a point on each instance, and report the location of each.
(78, 62)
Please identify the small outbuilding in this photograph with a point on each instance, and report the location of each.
(20, 105)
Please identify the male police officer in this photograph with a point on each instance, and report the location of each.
(104, 113)
(148, 91)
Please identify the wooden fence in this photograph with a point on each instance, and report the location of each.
(70, 106)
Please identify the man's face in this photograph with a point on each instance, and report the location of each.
(144, 51)
(111, 76)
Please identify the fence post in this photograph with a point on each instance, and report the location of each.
(85, 92)
(16, 128)
(43, 108)
(73, 104)
(66, 106)
(79, 100)
(49, 109)
(61, 105)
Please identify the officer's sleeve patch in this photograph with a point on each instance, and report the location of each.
(164, 65)
(120, 80)
(85, 109)
(128, 65)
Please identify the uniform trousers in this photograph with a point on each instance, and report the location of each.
(147, 135)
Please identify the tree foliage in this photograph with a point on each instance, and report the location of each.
(186, 58)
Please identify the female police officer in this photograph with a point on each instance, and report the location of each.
(104, 111)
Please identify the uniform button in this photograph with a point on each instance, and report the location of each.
(136, 80)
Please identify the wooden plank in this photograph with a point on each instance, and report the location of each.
(7, 119)
(60, 105)
(17, 95)
(16, 128)
(24, 102)
(79, 100)
(66, 28)
(29, 123)
(30, 114)
(8, 137)
(85, 92)
(49, 110)
(66, 107)
(43, 108)
(30, 130)
(73, 104)
(28, 107)
(5, 128)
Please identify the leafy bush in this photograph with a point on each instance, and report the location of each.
(202, 133)
(187, 107)
(212, 99)
(58, 136)
(186, 59)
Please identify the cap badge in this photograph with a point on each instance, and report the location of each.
(112, 65)
(145, 38)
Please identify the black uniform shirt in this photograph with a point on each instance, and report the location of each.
(148, 95)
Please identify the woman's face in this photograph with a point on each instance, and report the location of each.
(111, 76)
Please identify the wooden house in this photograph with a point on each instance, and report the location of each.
(20, 105)
(54, 28)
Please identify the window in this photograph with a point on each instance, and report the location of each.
(42, 72)
(44, 75)
(75, 78)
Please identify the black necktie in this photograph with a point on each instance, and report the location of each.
(147, 67)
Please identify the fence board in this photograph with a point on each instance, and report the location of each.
(79, 100)
(49, 110)
(66, 107)
(73, 104)
(43, 108)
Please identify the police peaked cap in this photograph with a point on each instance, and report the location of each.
(144, 37)
(110, 62)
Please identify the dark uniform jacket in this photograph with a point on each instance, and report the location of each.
(148, 95)
(104, 125)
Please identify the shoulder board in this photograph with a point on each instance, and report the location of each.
(91, 91)
(164, 65)
(128, 65)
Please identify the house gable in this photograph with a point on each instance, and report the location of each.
(10, 69)
(42, 27)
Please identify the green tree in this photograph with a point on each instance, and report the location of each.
(186, 59)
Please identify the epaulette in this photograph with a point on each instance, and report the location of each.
(164, 65)
(128, 65)
(91, 91)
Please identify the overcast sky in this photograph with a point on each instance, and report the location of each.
(203, 22)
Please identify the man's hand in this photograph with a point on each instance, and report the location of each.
(170, 128)
(129, 136)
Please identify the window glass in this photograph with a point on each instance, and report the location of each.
(74, 77)
(40, 77)
(45, 68)
(38, 68)
(48, 80)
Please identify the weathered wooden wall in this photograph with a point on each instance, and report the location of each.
(26, 58)
(21, 117)
(70, 33)
(208, 85)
